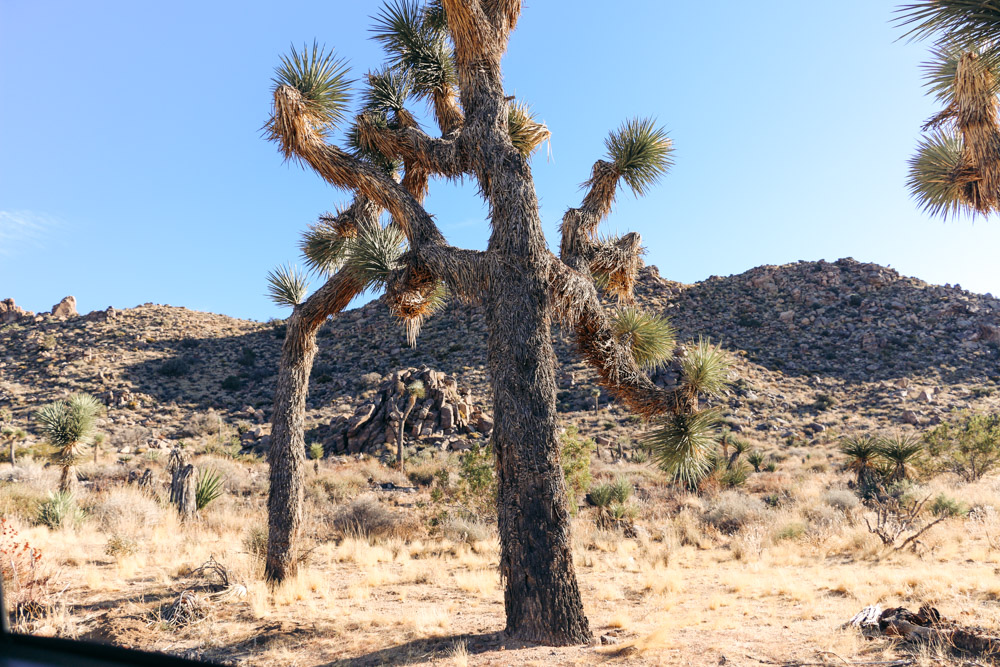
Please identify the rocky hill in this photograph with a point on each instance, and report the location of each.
(818, 348)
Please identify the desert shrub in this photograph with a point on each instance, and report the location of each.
(731, 510)
(208, 488)
(734, 474)
(175, 367)
(422, 475)
(25, 586)
(576, 464)
(369, 380)
(255, 542)
(200, 423)
(944, 505)
(59, 510)
(247, 357)
(6, 416)
(790, 531)
(121, 546)
(841, 499)
(232, 383)
(477, 481)
(366, 517)
(334, 488)
(601, 495)
(770, 466)
(125, 510)
(465, 529)
(969, 447)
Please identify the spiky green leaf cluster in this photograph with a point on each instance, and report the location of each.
(208, 488)
(705, 369)
(902, 452)
(650, 338)
(387, 91)
(417, 44)
(363, 151)
(67, 424)
(287, 286)
(416, 389)
(641, 152)
(682, 444)
(955, 21)
(862, 451)
(323, 247)
(374, 252)
(933, 174)
(322, 80)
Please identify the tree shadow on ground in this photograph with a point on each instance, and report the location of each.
(420, 650)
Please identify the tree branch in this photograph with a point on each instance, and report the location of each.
(290, 126)
(576, 302)
(435, 156)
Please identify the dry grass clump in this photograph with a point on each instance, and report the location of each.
(125, 510)
(466, 529)
(366, 517)
(731, 510)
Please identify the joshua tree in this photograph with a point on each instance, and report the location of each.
(448, 54)
(12, 435)
(596, 394)
(414, 391)
(68, 425)
(957, 165)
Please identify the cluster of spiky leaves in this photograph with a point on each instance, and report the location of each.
(287, 286)
(415, 40)
(641, 153)
(935, 178)
(322, 80)
(374, 253)
(323, 246)
(526, 133)
(650, 338)
(67, 424)
(682, 444)
(705, 369)
(956, 21)
(957, 168)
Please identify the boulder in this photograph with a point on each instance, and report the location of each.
(65, 308)
(10, 313)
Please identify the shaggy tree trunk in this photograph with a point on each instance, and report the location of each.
(12, 464)
(541, 595)
(67, 479)
(287, 453)
(183, 490)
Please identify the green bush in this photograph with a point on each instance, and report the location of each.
(945, 506)
(175, 367)
(477, 480)
(121, 546)
(232, 383)
(59, 510)
(969, 447)
(576, 464)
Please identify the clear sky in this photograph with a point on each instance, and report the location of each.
(132, 167)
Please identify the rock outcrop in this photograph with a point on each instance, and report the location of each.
(65, 308)
(443, 419)
(10, 313)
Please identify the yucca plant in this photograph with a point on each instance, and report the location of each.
(863, 459)
(210, 487)
(59, 510)
(69, 425)
(903, 453)
(448, 55)
(756, 458)
(683, 444)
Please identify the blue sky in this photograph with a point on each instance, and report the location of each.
(132, 167)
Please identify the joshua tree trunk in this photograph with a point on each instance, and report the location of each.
(410, 402)
(67, 478)
(541, 595)
(12, 464)
(287, 452)
(183, 493)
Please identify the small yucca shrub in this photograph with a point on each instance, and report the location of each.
(59, 510)
(209, 488)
